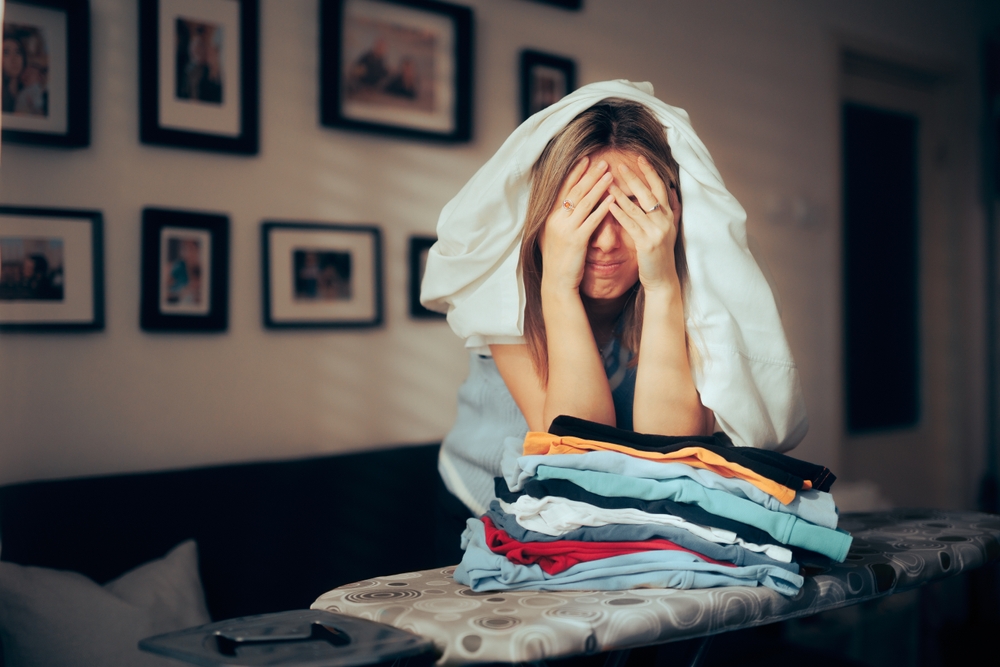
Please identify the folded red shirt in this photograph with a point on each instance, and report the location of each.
(555, 557)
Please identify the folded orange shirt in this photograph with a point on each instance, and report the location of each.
(537, 442)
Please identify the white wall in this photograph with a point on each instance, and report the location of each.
(759, 80)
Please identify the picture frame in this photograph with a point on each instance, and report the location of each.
(572, 5)
(419, 247)
(321, 275)
(199, 74)
(545, 79)
(185, 271)
(397, 67)
(51, 269)
(48, 102)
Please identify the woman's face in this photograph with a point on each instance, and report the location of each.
(612, 268)
(13, 59)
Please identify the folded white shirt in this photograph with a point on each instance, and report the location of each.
(557, 516)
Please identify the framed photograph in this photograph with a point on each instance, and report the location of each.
(46, 72)
(321, 275)
(545, 79)
(400, 67)
(185, 271)
(51, 269)
(419, 247)
(198, 74)
(565, 4)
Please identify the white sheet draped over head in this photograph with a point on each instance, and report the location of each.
(745, 374)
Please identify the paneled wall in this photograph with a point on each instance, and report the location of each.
(760, 80)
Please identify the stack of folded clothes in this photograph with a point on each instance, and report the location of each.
(592, 507)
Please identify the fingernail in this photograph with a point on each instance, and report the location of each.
(624, 168)
(606, 177)
(602, 164)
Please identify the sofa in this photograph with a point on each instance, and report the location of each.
(275, 535)
(270, 536)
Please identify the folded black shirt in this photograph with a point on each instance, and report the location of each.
(775, 466)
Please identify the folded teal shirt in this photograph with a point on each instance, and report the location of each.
(786, 528)
(813, 506)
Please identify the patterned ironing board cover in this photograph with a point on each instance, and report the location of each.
(892, 552)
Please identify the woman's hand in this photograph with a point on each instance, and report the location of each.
(651, 221)
(578, 211)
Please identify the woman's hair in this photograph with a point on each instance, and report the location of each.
(614, 124)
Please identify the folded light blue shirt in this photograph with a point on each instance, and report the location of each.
(785, 528)
(483, 570)
(814, 506)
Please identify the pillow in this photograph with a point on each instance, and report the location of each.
(57, 617)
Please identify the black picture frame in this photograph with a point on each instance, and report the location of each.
(176, 298)
(545, 79)
(419, 245)
(572, 5)
(321, 275)
(402, 99)
(65, 117)
(70, 294)
(206, 117)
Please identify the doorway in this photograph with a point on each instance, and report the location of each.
(901, 395)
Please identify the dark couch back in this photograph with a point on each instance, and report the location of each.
(271, 536)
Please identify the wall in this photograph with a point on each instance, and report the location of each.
(759, 80)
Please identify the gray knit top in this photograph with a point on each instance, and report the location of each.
(488, 418)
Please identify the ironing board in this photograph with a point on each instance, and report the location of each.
(892, 552)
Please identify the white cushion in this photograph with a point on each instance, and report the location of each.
(57, 617)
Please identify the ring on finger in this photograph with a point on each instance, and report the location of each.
(655, 206)
(568, 205)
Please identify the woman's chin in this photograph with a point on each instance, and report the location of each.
(604, 292)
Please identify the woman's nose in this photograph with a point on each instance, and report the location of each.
(607, 236)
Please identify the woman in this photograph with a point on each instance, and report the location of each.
(562, 265)
(603, 218)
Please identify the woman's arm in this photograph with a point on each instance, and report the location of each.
(666, 401)
(577, 384)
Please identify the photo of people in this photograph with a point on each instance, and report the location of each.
(185, 271)
(321, 275)
(25, 70)
(389, 64)
(548, 86)
(31, 269)
(199, 71)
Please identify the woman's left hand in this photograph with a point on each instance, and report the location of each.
(651, 221)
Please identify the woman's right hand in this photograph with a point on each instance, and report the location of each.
(566, 236)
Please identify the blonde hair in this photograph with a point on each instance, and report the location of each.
(614, 124)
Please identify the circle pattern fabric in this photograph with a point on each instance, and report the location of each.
(892, 552)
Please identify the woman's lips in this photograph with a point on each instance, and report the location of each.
(604, 267)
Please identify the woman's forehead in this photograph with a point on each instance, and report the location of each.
(615, 158)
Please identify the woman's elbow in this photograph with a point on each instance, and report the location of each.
(686, 420)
